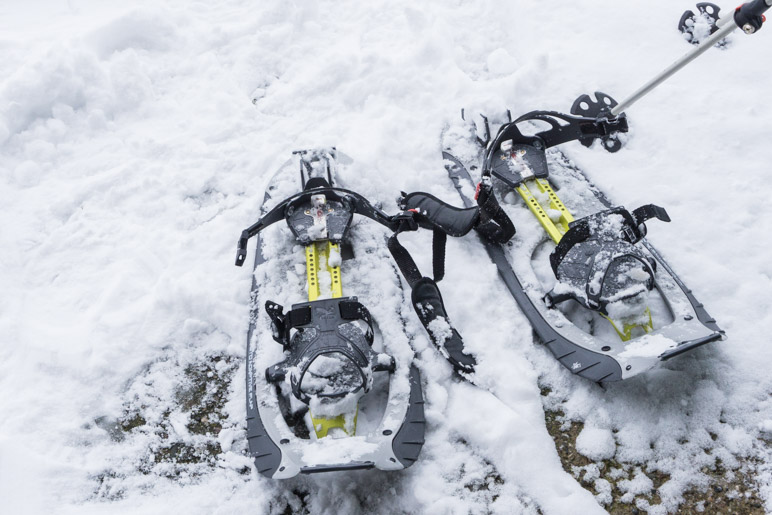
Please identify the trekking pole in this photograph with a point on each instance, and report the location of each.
(749, 17)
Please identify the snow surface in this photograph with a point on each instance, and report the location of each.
(135, 144)
(648, 345)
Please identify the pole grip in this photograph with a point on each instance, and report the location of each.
(756, 7)
(750, 16)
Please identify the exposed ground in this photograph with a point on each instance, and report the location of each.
(732, 491)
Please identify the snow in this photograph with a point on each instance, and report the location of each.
(647, 345)
(135, 145)
(337, 450)
(603, 487)
(440, 330)
(596, 443)
(639, 484)
(334, 259)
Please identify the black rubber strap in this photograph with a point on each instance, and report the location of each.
(360, 204)
(632, 232)
(299, 317)
(355, 310)
(438, 254)
(407, 264)
(650, 211)
(578, 232)
(284, 322)
(430, 212)
(494, 223)
(404, 260)
(428, 305)
(351, 310)
(488, 218)
(580, 229)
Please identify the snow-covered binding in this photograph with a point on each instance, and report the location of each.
(596, 292)
(325, 399)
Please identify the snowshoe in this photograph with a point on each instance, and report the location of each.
(596, 292)
(340, 391)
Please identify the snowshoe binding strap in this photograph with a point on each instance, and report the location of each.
(488, 218)
(633, 228)
(324, 329)
(593, 259)
(430, 212)
(427, 211)
(337, 206)
(563, 128)
(648, 212)
(428, 305)
(494, 223)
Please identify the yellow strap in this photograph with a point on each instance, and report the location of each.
(555, 203)
(336, 286)
(316, 253)
(555, 232)
(312, 272)
(539, 213)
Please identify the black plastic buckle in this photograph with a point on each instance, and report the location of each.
(631, 234)
(610, 126)
(406, 220)
(241, 248)
(278, 322)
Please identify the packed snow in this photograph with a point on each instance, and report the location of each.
(440, 330)
(136, 142)
(647, 346)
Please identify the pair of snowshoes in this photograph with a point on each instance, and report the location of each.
(340, 391)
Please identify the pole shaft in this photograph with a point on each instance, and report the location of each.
(675, 67)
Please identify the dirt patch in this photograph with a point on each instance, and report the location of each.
(730, 491)
(172, 418)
